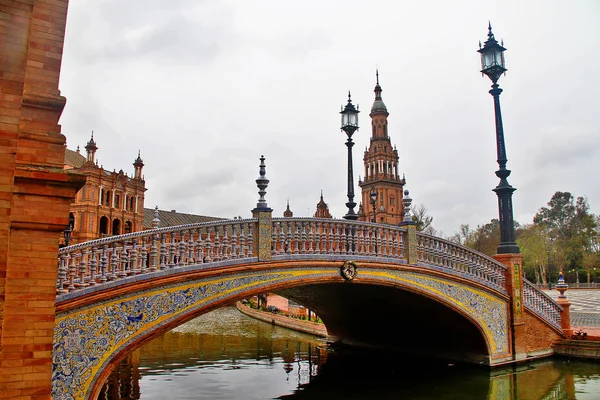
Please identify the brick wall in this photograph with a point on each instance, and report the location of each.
(34, 191)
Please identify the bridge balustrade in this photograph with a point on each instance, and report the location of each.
(109, 259)
(459, 260)
(541, 304)
(322, 236)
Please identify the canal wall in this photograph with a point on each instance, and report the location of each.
(588, 349)
(312, 328)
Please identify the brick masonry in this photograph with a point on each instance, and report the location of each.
(34, 192)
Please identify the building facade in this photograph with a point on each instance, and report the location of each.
(382, 181)
(110, 203)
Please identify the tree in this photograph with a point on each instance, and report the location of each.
(485, 238)
(572, 228)
(422, 220)
(534, 243)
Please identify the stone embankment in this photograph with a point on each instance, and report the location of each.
(309, 327)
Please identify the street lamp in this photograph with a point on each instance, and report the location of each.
(350, 125)
(373, 195)
(67, 235)
(492, 65)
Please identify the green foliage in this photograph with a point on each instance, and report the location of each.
(534, 243)
(572, 230)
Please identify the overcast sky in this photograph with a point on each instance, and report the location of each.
(203, 88)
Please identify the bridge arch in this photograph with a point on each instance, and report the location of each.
(95, 331)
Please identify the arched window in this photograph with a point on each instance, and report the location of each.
(116, 227)
(103, 226)
(128, 227)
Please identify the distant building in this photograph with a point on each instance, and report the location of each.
(322, 209)
(110, 203)
(381, 170)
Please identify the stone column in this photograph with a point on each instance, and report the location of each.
(262, 235)
(35, 193)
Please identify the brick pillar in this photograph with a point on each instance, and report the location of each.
(35, 193)
(565, 315)
(514, 287)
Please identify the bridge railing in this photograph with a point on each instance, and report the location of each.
(461, 260)
(323, 236)
(541, 304)
(112, 258)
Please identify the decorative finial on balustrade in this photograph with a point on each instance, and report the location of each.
(406, 201)
(561, 285)
(155, 221)
(262, 182)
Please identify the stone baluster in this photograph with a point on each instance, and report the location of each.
(250, 239)
(208, 248)
(114, 263)
(303, 236)
(163, 251)
(154, 254)
(83, 270)
(234, 241)
(243, 248)
(275, 245)
(226, 244)
(104, 264)
(62, 273)
(123, 261)
(171, 248)
(144, 255)
(311, 237)
(217, 246)
(72, 271)
(181, 261)
(336, 238)
(93, 265)
(318, 237)
(191, 250)
(134, 267)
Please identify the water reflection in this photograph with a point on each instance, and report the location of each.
(226, 355)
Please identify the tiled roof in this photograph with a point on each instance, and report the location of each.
(74, 159)
(173, 218)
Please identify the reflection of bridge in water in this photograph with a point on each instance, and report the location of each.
(116, 293)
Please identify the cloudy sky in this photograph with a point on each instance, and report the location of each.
(203, 88)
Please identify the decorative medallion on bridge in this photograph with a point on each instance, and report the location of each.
(349, 270)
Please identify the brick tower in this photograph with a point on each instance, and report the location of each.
(381, 170)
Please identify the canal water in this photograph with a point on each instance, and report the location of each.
(227, 355)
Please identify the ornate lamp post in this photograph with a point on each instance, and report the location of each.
(492, 65)
(350, 125)
(373, 195)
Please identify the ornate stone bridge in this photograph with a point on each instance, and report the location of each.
(372, 284)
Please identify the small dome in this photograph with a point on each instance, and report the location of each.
(378, 106)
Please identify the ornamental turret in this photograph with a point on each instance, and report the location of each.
(138, 164)
(91, 148)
